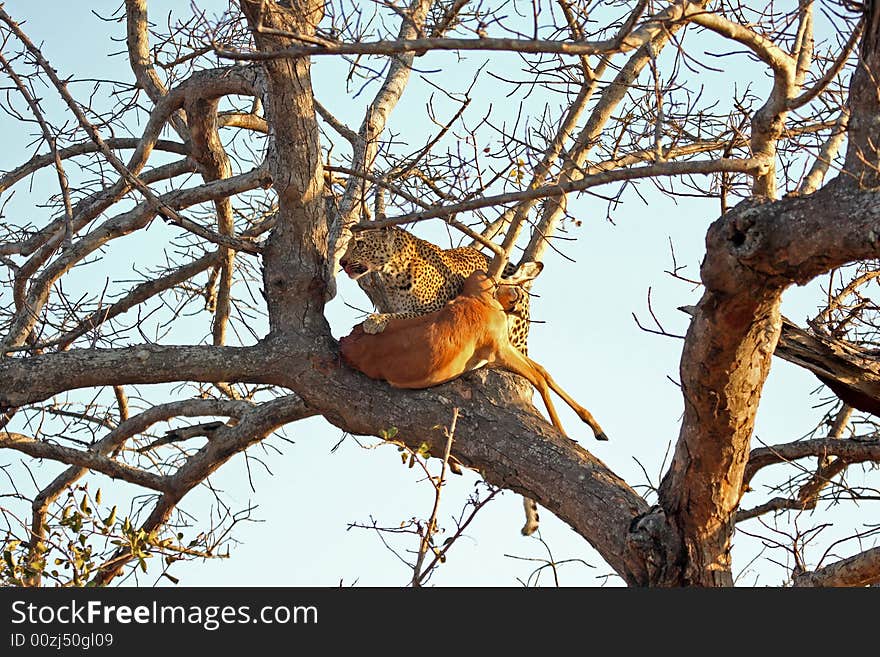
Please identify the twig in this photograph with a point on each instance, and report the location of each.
(432, 522)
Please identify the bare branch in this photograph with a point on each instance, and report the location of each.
(853, 450)
(594, 180)
(141, 62)
(90, 460)
(421, 46)
(833, 71)
(813, 180)
(50, 140)
(226, 442)
(111, 229)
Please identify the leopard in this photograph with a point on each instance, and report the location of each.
(406, 276)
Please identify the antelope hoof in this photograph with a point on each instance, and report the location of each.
(601, 436)
(375, 324)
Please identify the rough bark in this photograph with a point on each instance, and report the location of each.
(862, 569)
(294, 275)
(852, 373)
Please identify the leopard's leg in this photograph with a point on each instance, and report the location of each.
(377, 322)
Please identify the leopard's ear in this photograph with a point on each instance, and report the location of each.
(527, 271)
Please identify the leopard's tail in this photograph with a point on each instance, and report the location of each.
(531, 509)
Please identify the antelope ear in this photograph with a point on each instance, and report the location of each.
(527, 271)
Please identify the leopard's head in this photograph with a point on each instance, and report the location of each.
(371, 250)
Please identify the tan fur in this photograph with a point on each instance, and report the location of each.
(469, 332)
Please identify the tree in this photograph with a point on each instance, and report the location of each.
(235, 97)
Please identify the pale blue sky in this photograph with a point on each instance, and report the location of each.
(586, 338)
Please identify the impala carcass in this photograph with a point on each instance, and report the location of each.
(469, 332)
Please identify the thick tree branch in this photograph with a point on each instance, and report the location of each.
(113, 442)
(242, 120)
(499, 432)
(862, 569)
(829, 150)
(808, 494)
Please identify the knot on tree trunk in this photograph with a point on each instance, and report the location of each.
(652, 537)
(735, 248)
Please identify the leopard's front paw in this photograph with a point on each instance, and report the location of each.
(375, 323)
